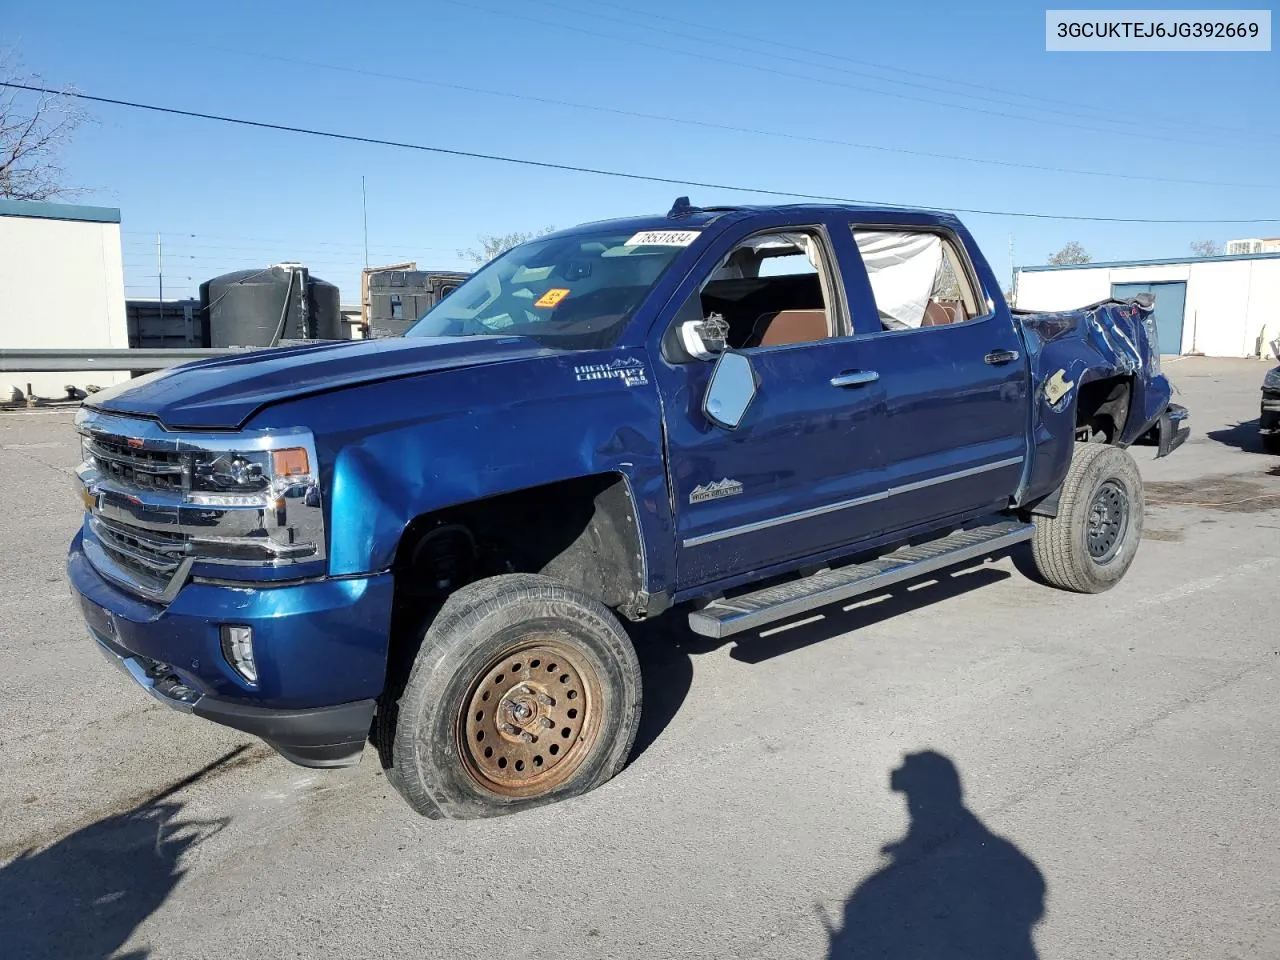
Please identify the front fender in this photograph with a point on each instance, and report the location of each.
(393, 451)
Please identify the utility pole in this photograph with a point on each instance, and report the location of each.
(364, 274)
(160, 271)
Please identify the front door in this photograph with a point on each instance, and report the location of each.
(1170, 308)
(799, 474)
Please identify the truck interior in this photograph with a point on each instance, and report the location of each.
(771, 289)
(918, 278)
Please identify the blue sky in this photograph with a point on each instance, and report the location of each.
(901, 77)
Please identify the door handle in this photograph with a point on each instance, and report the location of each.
(997, 357)
(855, 378)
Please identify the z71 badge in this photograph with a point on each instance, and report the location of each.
(716, 490)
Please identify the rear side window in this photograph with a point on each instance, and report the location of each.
(919, 278)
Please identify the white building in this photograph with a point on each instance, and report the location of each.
(1254, 245)
(61, 285)
(1226, 306)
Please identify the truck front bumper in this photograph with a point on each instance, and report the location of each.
(316, 737)
(1269, 415)
(320, 648)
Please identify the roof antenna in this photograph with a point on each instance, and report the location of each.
(681, 208)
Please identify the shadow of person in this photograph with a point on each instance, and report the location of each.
(952, 889)
(83, 896)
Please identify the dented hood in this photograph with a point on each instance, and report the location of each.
(222, 394)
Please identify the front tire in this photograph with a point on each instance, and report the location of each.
(524, 692)
(1089, 546)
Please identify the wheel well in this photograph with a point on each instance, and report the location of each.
(1102, 409)
(581, 532)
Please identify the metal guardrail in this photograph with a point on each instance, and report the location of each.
(76, 359)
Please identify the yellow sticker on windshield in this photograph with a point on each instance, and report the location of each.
(551, 297)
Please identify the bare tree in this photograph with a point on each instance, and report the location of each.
(492, 244)
(1206, 248)
(1070, 253)
(34, 128)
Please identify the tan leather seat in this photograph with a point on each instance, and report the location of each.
(936, 315)
(939, 313)
(790, 326)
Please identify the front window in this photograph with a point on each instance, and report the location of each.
(576, 292)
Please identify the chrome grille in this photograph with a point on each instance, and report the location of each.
(153, 558)
(140, 468)
(158, 552)
(159, 502)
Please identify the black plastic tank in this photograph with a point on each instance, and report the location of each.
(259, 308)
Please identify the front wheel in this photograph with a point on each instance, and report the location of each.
(524, 691)
(1092, 541)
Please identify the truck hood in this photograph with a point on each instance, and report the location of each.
(222, 394)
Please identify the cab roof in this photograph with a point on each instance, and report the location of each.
(684, 214)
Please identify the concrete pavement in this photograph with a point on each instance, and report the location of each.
(1119, 758)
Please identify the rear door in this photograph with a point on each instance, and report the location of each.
(953, 429)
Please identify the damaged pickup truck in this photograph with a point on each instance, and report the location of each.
(432, 542)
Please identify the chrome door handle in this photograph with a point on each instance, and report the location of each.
(997, 357)
(855, 378)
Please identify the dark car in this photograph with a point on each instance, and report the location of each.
(1269, 416)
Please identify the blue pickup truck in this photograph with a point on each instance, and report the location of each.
(431, 542)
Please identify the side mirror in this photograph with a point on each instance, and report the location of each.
(730, 392)
(704, 339)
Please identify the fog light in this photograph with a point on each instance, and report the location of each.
(237, 647)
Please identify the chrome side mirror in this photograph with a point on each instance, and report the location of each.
(730, 392)
(704, 339)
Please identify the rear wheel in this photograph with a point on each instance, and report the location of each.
(524, 692)
(1092, 541)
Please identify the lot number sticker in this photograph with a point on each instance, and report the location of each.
(552, 297)
(663, 238)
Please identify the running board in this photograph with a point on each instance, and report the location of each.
(721, 618)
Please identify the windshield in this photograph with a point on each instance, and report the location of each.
(574, 292)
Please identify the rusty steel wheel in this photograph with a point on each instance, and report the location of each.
(524, 691)
(531, 719)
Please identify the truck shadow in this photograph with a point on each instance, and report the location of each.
(1243, 436)
(82, 896)
(951, 888)
(666, 646)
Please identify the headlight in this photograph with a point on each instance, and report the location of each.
(264, 503)
(1272, 380)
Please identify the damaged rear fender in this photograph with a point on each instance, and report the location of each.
(1069, 351)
